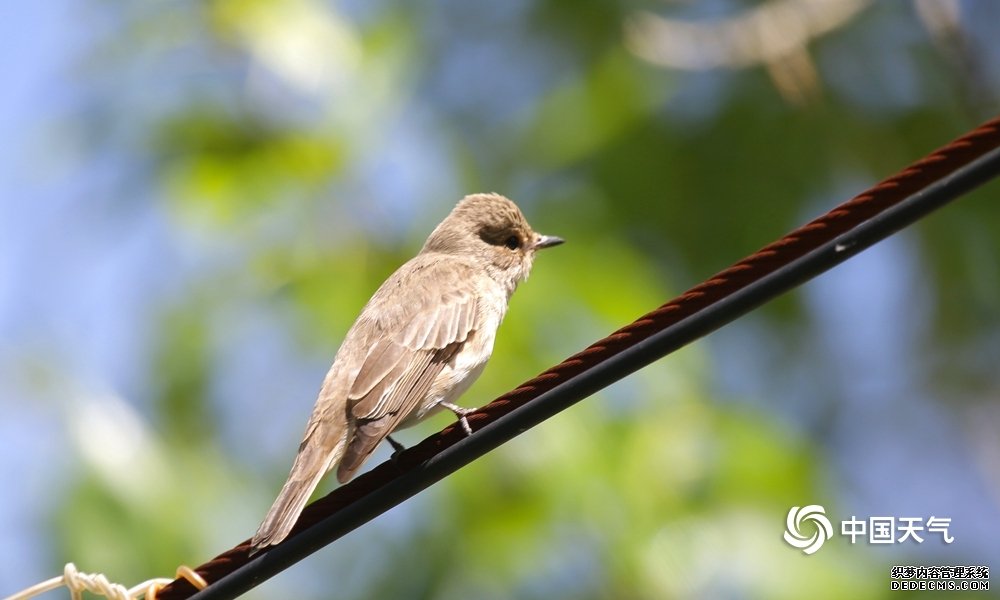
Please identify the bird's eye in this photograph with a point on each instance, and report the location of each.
(513, 242)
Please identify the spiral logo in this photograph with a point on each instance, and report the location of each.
(793, 528)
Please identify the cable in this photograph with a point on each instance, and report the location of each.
(819, 245)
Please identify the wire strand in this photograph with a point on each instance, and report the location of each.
(79, 582)
(896, 202)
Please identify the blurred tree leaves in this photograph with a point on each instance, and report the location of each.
(219, 166)
(182, 378)
(655, 488)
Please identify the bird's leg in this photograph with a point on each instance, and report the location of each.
(396, 447)
(461, 413)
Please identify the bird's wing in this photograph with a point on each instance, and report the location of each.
(415, 345)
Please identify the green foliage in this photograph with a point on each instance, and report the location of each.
(218, 167)
(655, 488)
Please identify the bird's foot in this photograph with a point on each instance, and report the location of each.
(461, 413)
(396, 447)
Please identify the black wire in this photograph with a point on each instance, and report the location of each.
(624, 363)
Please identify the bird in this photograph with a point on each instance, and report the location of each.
(421, 340)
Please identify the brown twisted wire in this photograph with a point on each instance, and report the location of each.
(796, 244)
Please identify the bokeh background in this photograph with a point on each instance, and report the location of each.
(197, 197)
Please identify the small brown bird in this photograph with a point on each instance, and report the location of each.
(419, 343)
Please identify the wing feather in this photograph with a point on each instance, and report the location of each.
(411, 350)
(405, 394)
(380, 402)
(384, 358)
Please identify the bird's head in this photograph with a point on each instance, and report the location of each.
(491, 230)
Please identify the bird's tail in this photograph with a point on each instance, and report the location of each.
(315, 458)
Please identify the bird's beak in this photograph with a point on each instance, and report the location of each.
(547, 241)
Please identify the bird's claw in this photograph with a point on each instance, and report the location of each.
(396, 447)
(461, 413)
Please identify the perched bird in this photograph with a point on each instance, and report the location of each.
(419, 343)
